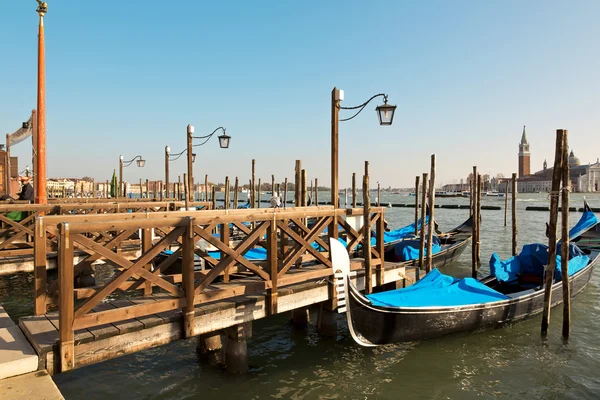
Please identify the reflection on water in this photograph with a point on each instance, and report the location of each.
(513, 362)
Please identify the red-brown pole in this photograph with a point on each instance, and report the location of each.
(40, 176)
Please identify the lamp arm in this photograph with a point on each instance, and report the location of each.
(173, 157)
(128, 163)
(210, 135)
(362, 106)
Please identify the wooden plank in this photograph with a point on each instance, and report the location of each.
(150, 320)
(81, 335)
(66, 300)
(105, 330)
(128, 325)
(42, 334)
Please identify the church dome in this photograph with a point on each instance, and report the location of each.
(573, 161)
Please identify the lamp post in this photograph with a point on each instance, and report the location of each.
(167, 151)
(140, 163)
(40, 174)
(385, 113)
(224, 140)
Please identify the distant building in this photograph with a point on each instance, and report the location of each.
(524, 156)
(584, 178)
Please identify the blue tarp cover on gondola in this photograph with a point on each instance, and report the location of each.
(587, 220)
(401, 233)
(532, 261)
(409, 249)
(437, 289)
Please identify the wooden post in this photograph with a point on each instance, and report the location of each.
(564, 266)
(431, 228)
(66, 299)
(39, 268)
(311, 188)
(272, 262)
(335, 116)
(188, 278)
(380, 246)
(185, 192)
(253, 185)
(378, 194)
(206, 187)
(298, 184)
(147, 189)
(272, 185)
(160, 189)
(259, 193)
(423, 224)
(478, 212)
(317, 192)
(227, 194)
(551, 230)
(106, 190)
(178, 187)
(417, 178)
(146, 246)
(367, 232)
(475, 222)
(354, 190)
(236, 189)
(303, 199)
(514, 214)
(505, 202)
(285, 191)
(213, 197)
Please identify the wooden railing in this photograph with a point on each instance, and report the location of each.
(290, 237)
(16, 236)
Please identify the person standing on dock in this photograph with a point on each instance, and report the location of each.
(26, 189)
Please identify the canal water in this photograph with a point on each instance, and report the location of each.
(285, 363)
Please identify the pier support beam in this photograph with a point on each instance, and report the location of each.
(236, 353)
(210, 347)
(300, 317)
(326, 321)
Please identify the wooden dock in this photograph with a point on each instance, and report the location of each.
(112, 340)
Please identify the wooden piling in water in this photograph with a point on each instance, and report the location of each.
(235, 193)
(551, 230)
(423, 224)
(258, 193)
(304, 197)
(417, 178)
(515, 229)
(478, 253)
(429, 263)
(227, 199)
(178, 187)
(147, 189)
(378, 194)
(316, 191)
(272, 185)
(285, 191)
(297, 183)
(367, 234)
(564, 266)
(505, 201)
(206, 187)
(214, 197)
(475, 221)
(253, 185)
(354, 190)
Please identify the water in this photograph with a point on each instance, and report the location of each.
(512, 362)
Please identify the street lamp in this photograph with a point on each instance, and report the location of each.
(385, 113)
(140, 163)
(224, 140)
(41, 197)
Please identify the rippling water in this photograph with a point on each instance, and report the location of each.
(512, 362)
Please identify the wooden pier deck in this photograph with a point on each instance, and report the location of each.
(112, 340)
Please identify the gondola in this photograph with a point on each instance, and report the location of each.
(441, 305)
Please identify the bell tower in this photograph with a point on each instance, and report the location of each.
(524, 156)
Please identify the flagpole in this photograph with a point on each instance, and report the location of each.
(40, 175)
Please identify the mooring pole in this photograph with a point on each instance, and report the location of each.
(564, 266)
(515, 229)
(367, 232)
(235, 193)
(227, 197)
(317, 192)
(417, 178)
(258, 195)
(479, 188)
(551, 230)
(285, 190)
(429, 264)
(475, 222)
(505, 202)
(186, 182)
(354, 190)
(423, 225)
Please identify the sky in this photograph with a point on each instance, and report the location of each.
(126, 77)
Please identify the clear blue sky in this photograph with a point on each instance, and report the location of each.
(128, 76)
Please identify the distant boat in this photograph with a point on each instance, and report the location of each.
(495, 194)
(443, 193)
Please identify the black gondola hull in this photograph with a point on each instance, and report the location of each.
(371, 325)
